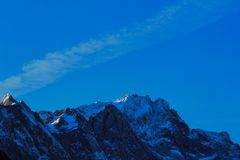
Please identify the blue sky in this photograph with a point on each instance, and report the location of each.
(191, 61)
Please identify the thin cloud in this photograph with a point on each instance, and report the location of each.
(178, 19)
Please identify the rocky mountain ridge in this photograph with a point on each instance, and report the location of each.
(133, 127)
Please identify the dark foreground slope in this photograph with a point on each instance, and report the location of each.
(24, 136)
(130, 128)
(3, 156)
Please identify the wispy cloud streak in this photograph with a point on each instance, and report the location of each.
(177, 19)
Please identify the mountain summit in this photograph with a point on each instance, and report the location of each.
(8, 100)
(132, 127)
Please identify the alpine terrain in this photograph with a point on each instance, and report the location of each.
(130, 128)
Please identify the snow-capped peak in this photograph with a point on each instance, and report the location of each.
(8, 100)
(122, 99)
(134, 106)
(65, 121)
(132, 98)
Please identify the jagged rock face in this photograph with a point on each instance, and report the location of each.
(23, 136)
(156, 124)
(116, 137)
(72, 130)
(217, 146)
(169, 136)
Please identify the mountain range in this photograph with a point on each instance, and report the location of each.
(130, 128)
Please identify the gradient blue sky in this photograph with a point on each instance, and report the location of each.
(197, 71)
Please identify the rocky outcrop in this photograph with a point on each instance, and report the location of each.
(216, 146)
(72, 130)
(116, 137)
